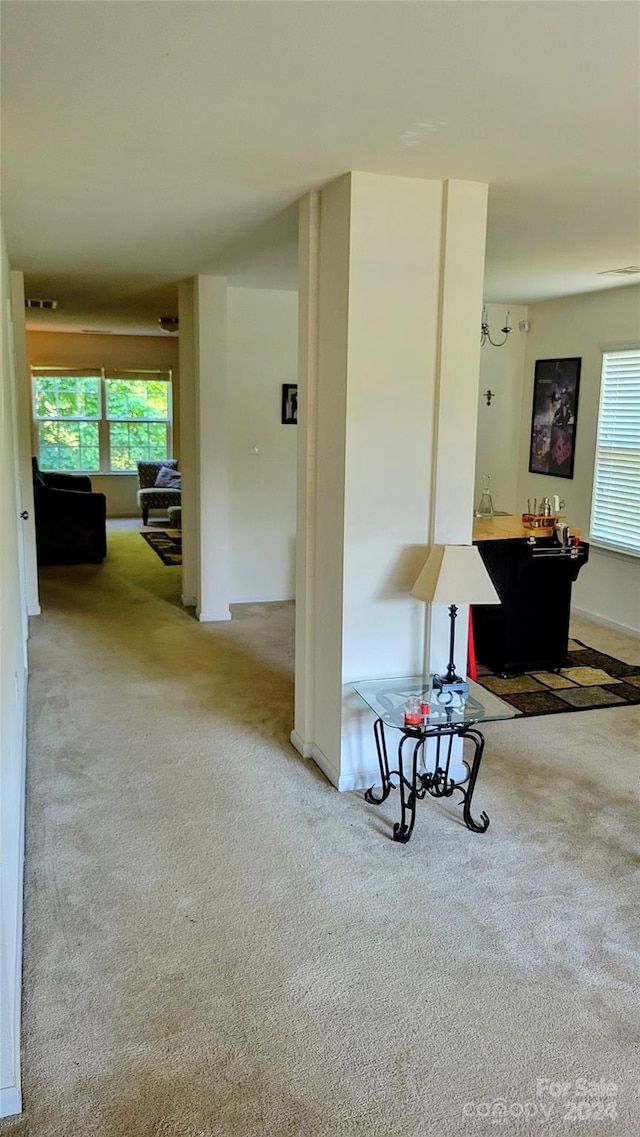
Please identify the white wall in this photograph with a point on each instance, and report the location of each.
(24, 444)
(498, 441)
(389, 299)
(66, 349)
(608, 588)
(13, 683)
(261, 356)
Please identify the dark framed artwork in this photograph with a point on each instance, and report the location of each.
(553, 420)
(290, 403)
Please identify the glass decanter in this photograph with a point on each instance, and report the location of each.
(485, 505)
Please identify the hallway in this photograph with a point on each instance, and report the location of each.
(219, 944)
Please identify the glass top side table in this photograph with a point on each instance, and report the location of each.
(450, 716)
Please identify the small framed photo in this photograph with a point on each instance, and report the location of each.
(553, 419)
(290, 404)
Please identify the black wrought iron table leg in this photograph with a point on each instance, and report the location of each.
(467, 791)
(438, 783)
(407, 789)
(383, 762)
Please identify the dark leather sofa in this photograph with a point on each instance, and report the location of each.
(71, 527)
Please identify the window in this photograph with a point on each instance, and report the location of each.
(615, 508)
(67, 414)
(101, 421)
(138, 417)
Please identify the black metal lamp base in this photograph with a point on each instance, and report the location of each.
(453, 685)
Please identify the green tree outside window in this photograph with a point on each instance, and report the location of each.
(68, 409)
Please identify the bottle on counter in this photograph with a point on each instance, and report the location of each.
(485, 505)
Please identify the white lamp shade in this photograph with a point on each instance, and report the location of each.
(455, 574)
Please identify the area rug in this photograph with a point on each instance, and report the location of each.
(591, 680)
(168, 546)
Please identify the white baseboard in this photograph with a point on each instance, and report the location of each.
(298, 742)
(342, 782)
(11, 932)
(213, 617)
(34, 610)
(359, 781)
(261, 599)
(628, 631)
(310, 750)
(189, 601)
(10, 1101)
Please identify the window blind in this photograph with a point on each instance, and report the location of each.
(615, 507)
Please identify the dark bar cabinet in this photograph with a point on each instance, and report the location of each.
(529, 630)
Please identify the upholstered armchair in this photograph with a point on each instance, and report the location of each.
(71, 527)
(153, 496)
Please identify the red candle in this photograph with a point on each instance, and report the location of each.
(413, 718)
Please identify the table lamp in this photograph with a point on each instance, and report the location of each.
(454, 574)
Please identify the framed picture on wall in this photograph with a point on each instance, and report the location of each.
(290, 403)
(553, 419)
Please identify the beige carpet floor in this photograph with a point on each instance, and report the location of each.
(220, 945)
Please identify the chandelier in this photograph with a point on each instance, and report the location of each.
(485, 333)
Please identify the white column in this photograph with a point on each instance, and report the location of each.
(453, 487)
(308, 249)
(384, 292)
(188, 443)
(211, 372)
(203, 449)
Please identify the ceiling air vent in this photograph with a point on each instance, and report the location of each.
(49, 304)
(629, 270)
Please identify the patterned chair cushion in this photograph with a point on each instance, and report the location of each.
(158, 499)
(148, 471)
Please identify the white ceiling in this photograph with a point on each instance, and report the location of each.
(148, 141)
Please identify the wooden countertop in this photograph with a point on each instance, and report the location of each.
(508, 528)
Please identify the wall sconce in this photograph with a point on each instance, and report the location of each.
(489, 395)
(485, 333)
